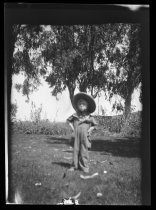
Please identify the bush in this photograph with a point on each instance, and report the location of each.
(107, 124)
(44, 127)
(110, 123)
(132, 127)
(116, 124)
(35, 115)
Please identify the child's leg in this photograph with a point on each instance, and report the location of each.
(84, 158)
(76, 152)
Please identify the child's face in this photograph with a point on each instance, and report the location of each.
(82, 105)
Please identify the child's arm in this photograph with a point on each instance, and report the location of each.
(70, 122)
(71, 125)
(93, 125)
(91, 129)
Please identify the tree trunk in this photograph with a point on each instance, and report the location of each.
(83, 88)
(94, 95)
(126, 115)
(127, 110)
(71, 93)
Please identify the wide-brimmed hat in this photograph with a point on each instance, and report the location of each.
(86, 97)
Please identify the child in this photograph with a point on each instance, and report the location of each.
(82, 123)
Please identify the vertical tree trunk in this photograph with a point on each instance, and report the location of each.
(129, 91)
(71, 93)
(82, 87)
(126, 114)
(127, 110)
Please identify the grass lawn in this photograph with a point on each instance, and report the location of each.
(39, 171)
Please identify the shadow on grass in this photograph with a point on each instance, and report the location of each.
(124, 147)
(60, 140)
(118, 147)
(68, 151)
(63, 164)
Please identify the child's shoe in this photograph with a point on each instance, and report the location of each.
(86, 170)
(72, 169)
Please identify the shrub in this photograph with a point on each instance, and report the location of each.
(44, 127)
(35, 113)
(110, 123)
(114, 124)
(132, 127)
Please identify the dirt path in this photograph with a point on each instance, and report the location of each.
(39, 171)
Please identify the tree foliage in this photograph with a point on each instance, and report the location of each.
(72, 56)
(80, 56)
(26, 56)
(127, 62)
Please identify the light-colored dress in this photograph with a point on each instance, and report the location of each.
(82, 139)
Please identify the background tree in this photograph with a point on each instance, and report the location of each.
(13, 111)
(35, 114)
(80, 56)
(27, 57)
(72, 56)
(126, 60)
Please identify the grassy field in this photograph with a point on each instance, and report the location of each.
(39, 171)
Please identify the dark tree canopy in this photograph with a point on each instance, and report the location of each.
(127, 62)
(80, 56)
